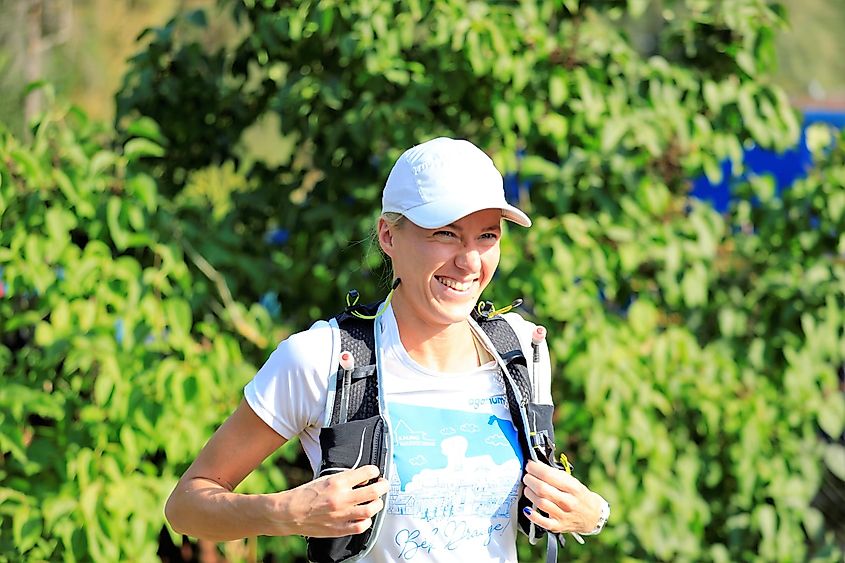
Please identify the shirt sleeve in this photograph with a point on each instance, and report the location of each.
(542, 372)
(289, 391)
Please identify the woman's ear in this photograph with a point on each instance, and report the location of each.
(385, 237)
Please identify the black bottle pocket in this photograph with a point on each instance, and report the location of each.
(346, 446)
(542, 434)
(540, 417)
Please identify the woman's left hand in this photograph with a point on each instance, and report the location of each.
(571, 507)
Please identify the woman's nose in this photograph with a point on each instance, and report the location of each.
(469, 259)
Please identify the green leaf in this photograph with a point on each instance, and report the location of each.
(101, 162)
(834, 458)
(30, 166)
(767, 521)
(554, 125)
(558, 89)
(65, 185)
(521, 117)
(537, 166)
(26, 528)
(57, 508)
(836, 206)
(144, 188)
(694, 285)
(832, 415)
(103, 387)
(819, 138)
(139, 148)
(137, 219)
(612, 133)
(59, 224)
(119, 235)
(642, 316)
(577, 229)
(178, 314)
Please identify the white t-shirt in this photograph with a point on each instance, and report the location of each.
(457, 467)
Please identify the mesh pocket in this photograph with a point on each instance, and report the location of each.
(348, 446)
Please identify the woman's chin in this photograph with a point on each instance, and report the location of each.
(456, 312)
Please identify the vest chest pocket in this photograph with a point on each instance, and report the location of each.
(346, 446)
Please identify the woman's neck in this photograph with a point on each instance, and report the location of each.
(444, 348)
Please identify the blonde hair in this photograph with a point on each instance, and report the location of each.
(394, 221)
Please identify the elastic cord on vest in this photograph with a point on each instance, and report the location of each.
(488, 310)
(352, 299)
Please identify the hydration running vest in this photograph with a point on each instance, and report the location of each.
(363, 437)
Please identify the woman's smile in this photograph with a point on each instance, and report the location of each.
(462, 288)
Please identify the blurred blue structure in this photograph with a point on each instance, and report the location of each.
(785, 167)
(515, 186)
(270, 301)
(277, 237)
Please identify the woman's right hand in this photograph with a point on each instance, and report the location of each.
(203, 505)
(332, 506)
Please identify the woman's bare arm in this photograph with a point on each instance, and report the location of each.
(204, 505)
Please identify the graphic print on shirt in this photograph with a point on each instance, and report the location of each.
(457, 475)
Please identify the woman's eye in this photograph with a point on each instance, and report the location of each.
(490, 236)
(446, 234)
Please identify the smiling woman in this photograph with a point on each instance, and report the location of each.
(459, 439)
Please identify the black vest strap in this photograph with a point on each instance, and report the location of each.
(507, 344)
(504, 338)
(356, 336)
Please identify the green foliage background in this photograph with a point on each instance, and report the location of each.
(699, 357)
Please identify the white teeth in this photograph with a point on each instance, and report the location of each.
(457, 286)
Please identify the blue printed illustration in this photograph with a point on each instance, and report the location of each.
(453, 464)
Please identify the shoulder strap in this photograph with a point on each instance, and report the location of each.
(504, 338)
(507, 344)
(356, 336)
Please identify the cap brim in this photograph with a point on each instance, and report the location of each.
(440, 213)
(515, 215)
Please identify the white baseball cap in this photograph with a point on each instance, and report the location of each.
(437, 182)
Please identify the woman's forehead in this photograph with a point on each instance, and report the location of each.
(486, 219)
